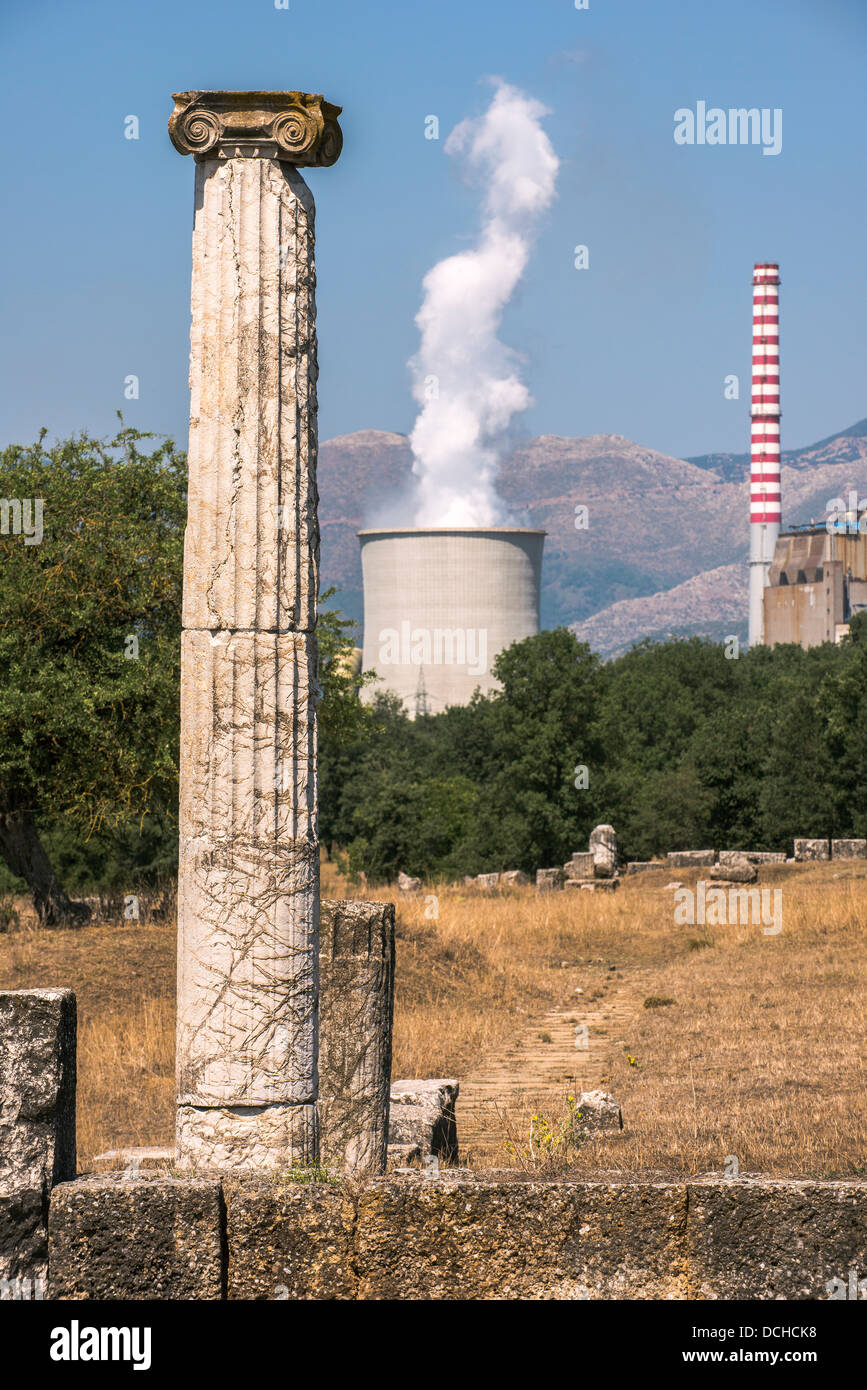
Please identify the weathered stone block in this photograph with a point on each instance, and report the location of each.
(289, 1240)
(138, 1238)
(513, 878)
(405, 1156)
(459, 1238)
(487, 881)
(37, 1084)
(849, 849)
(640, 866)
(37, 1120)
(734, 871)
(689, 858)
(752, 856)
(774, 1239)
(599, 1112)
(581, 865)
(423, 1114)
(407, 884)
(603, 847)
(356, 1008)
(807, 850)
(248, 1137)
(549, 880)
(593, 885)
(133, 1159)
(23, 1233)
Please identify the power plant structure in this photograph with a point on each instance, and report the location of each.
(440, 603)
(818, 580)
(765, 496)
(808, 581)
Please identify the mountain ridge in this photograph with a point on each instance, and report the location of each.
(655, 522)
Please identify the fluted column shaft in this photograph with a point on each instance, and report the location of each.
(356, 1013)
(248, 896)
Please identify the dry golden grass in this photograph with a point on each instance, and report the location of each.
(760, 1056)
(763, 1054)
(124, 980)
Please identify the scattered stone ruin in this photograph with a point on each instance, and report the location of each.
(597, 869)
(592, 870)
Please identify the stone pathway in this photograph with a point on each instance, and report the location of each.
(532, 1075)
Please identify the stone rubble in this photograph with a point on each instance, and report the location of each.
(549, 880)
(422, 1121)
(734, 871)
(599, 1112)
(849, 849)
(513, 878)
(603, 847)
(808, 850)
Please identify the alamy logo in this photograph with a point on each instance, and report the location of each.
(25, 514)
(843, 519)
(850, 1288)
(19, 1290)
(739, 125)
(77, 1343)
(422, 646)
(713, 906)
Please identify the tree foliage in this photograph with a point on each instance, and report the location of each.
(90, 630)
(682, 747)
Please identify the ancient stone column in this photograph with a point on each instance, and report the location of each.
(37, 1127)
(248, 891)
(356, 1010)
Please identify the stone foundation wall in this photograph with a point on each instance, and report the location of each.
(486, 1237)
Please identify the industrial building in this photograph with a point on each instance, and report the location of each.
(807, 582)
(817, 581)
(441, 603)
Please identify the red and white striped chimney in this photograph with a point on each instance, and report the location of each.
(765, 498)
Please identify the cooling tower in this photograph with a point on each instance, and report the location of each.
(440, 604)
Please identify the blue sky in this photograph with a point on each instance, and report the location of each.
(96, 237)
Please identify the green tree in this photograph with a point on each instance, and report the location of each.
(539, 733)
(346, 724)
(89, 645)
(658, 699)
(841, 706)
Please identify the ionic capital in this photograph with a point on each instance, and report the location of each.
(296, 127)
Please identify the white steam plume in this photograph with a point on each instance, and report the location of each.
(465, 380)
